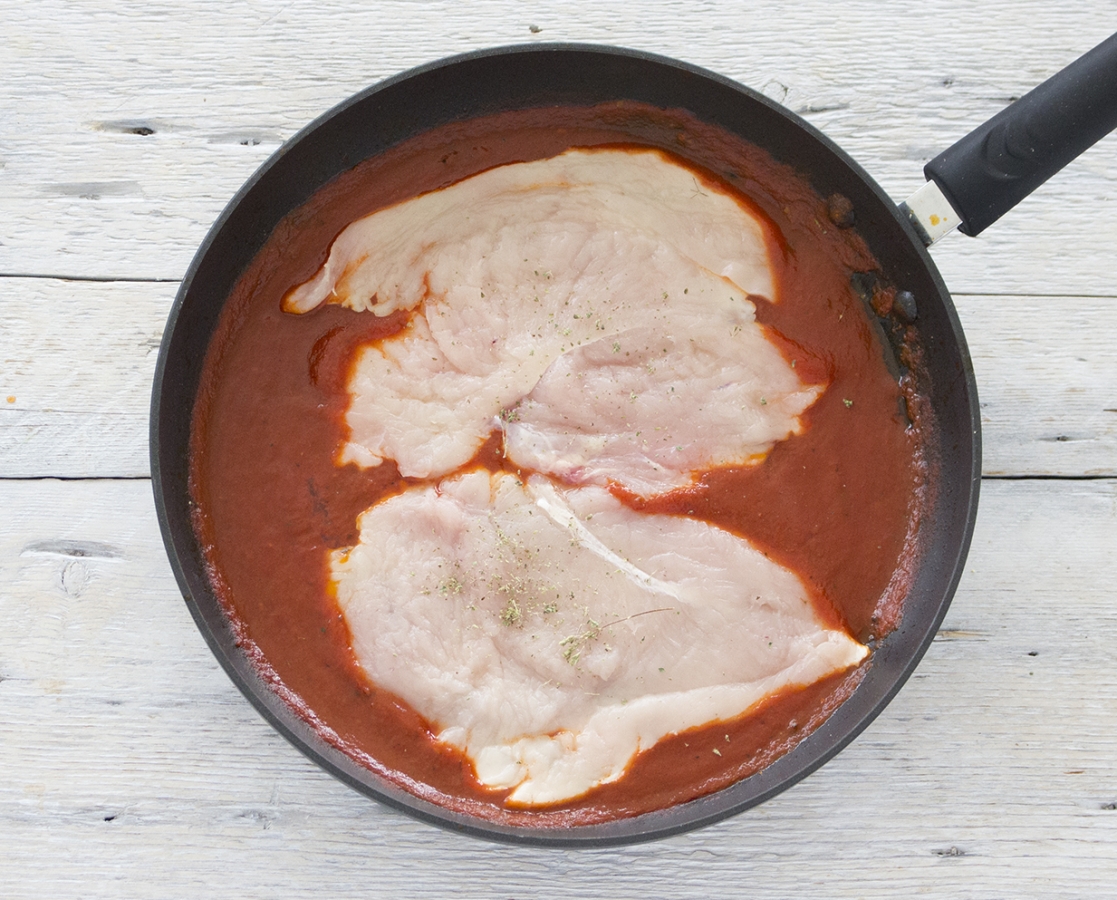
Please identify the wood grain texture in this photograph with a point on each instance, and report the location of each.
(1047, 383)
(134, 768)
(126, 129)
(78, 359)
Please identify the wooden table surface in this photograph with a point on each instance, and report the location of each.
(130, 766)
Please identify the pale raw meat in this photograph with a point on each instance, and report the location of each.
(379, 262)
(553, 634)
(510, 269)
(647, 410)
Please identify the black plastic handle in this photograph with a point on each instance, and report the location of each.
(998, 164)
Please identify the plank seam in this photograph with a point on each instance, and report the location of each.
(100, 279)
(75, 478)
(1104, 477)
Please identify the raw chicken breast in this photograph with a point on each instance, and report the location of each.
(379, 262)
(553, 634)
(646, 410)
(510, 269)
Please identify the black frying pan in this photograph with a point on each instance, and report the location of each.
(981, 177)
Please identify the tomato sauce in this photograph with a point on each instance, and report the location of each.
(839, 504)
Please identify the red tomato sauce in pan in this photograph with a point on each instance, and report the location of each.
(838, 504)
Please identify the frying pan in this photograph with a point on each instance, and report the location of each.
(970, 184)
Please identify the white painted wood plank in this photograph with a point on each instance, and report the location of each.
(78, 358)
(1047, 383)
(221, 84)
(76, 364)
(133, 768)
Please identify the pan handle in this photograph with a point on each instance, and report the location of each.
(999, 163)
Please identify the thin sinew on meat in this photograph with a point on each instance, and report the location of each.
(556, 276)
(555, 633)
